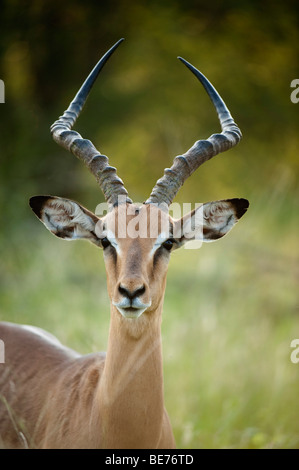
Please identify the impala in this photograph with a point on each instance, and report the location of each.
(53, 397)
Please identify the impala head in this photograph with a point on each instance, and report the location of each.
(137, 240)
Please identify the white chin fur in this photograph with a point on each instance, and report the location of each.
(131, 313)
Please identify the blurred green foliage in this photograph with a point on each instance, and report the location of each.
(231, 309)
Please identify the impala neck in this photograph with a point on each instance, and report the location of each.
(131, 390)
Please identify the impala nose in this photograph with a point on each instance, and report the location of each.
(132, 298)
(131, 293)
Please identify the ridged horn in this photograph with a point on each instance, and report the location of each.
(184, 165)
(111, 185)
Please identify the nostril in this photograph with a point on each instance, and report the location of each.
(131, 293)
(139, 291)
(123, 291)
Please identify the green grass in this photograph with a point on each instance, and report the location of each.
(230, 313)
(230, 381)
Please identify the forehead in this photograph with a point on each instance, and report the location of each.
(137, 221)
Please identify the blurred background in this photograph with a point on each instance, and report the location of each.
(231, 308)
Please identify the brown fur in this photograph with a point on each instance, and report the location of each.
(50, 396)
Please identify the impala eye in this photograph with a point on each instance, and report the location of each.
(168, 244)
(105, 242)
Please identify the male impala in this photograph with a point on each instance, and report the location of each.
(51, 396)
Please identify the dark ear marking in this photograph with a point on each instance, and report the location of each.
(241, 205)
(37, 203)
(212, 234)
(65, 233)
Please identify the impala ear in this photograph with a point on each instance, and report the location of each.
(211, 220)
(65, 218)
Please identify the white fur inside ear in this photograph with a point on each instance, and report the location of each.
(67, 219)
(208, 222)
(219, 219)
(219, 216)
(59, 214)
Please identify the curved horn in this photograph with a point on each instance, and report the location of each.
(111, 185)
(184, 165)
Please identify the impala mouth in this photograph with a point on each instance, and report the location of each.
(131, 310)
